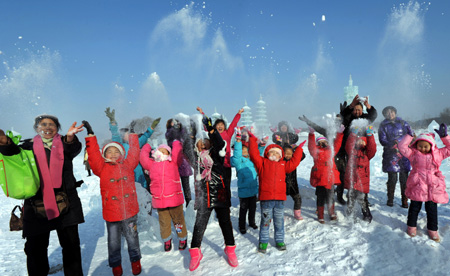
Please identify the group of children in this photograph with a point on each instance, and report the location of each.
(264, 173)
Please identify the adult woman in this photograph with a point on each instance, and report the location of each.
(285, 135)
(391, 131)
(54, 155)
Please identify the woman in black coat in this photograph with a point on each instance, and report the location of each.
(54, 155)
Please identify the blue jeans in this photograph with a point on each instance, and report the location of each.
(269, 209)
(127, 228)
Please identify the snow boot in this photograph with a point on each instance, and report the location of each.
(231, 255)
(411, 231)
(136, 267)
(298, 214)
(117, 270)
(254, 226)
(262, 247)
(196, 257)
(320, 211)
(340, 194)
(331, 212)
(367, 216)
(405, 202)
(182, 245)
(281, 246)
(168, 245)
(434, 236)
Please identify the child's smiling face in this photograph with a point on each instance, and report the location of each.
(424, 147)
(113, 154)
(164, 151)
(288, 153)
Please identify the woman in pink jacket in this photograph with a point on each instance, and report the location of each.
(165, 187)
(425, 182)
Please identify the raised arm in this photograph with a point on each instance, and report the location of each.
(132, 158)
(95, 158)
(292, 164)
(144, 157)
(237, 117)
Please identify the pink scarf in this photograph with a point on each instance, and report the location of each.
(206, 163)
(51, 176)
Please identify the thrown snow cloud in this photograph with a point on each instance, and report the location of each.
(406, 23)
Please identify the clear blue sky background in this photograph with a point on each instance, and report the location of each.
(159, 58)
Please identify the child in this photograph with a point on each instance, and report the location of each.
(272, 171)
(292, 184)
(211, 194)
(357, 175)
(324, 174)
(426, 182)
(120, 204)
(247, 183)
(167, 196)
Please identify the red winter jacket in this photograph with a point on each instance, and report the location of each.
(272, 174)
(117, 184)
(226, 136)
(357, 172)
(324, 172)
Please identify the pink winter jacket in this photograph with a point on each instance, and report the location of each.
(165, 183)
(425, 182)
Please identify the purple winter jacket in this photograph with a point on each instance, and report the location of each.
(426, 181)
(389, 133)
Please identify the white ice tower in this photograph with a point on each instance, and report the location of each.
(262, 125)
(246, 116)
(350, 91)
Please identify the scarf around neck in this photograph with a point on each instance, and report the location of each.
(51, 174)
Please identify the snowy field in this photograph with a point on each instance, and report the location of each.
(346, 247)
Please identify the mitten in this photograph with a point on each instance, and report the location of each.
(442, 132)
(155, 123)
(297, 130)
(302, 144)
(237, 131)
(355, 130)
(302, 118)
(341, 129)
(207, 123)
(273, 129)
(111, 115)
(343, 106)
(278, 138)
(311, 130)
(369, 130)
(132, 125)
(88, 127)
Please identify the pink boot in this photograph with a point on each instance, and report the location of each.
(298, 214)
(411, 231)
(434, 235)
(231, 255)
(196, 256)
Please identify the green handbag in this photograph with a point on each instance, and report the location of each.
(19, 176)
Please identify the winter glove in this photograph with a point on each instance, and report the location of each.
(207, 123)
(273, 129)
(263, 141)
(88, 127)
(303, 118)
(111, 115)
(132, 125)
(251, 135)
(341, 129)
(343, 106)
(442, 132)
(369, 130)
(278, 138)
(237, 130)
(297, 130)
(155, 123)
(311, 130)
(355, 130)
(302, 144)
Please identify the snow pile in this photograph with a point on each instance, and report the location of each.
(348, 246)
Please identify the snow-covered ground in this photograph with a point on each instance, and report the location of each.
(345, 247)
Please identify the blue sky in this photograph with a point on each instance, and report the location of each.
(159, 58)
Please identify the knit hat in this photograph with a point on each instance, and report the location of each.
(165, 147)
(387, 108)
(428, 137)
(113, 144)
(39, 118)
(320, 138)
(276, 149)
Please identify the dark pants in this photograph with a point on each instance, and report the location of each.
(186, 189)
(392, 182)
(324, 196)
(249, 204)
(341, 164)
(201, 221)
(432, 214)
(36, 251)
(358, 196)
(227, 180)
